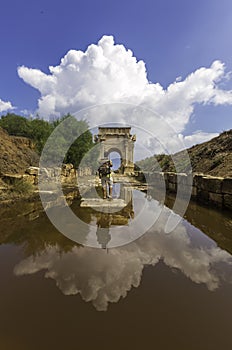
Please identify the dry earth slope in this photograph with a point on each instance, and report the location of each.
(213, 157)
(16, 154)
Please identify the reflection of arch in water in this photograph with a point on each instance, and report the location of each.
(105, 220)
(103, 229)
(120, 140)
(118, 217)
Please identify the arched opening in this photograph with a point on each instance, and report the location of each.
(115, 157)
(117, 139)
(114, 154)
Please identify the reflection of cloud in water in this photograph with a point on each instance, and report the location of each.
(102, 278)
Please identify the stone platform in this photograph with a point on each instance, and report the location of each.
(116, 203)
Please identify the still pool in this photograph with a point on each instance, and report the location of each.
(159, 291)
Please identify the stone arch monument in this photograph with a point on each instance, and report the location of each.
(117, 139)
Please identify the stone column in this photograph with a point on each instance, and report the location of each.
(102, 152)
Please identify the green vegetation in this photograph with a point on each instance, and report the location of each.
(39, 130)
(22, 187)
(159, 162)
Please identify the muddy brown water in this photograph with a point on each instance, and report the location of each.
(159, 292)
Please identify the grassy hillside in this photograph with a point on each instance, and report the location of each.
(213, 157)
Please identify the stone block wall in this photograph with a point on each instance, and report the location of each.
(85, 171)
(204, 188)
(67, 174)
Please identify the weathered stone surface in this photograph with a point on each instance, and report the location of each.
(103, 203)
(184, 179)
(160, 178)
(216, 198)
(166, 176)
(64, 172)
(36, 180)
(46, 172)
(157, 193)
(199, 181)
(29, 178)
(67, 170)
(203, 195)
(210, 184)
(227, 185)
(56, 172)
(11, 179)
(140, 176)
(197, 178)
(68, 166)
(184, 192)
(228, 201)
(172, 178)
(68, 179)
(154, 178)
(214, 184)
(85, 171)
(205, 188)
(32, 170)
(172, 187)
(194, 191)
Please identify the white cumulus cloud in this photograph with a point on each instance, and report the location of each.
(105, 278)
(5, 106)
(108, 73)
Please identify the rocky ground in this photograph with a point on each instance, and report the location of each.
(213, 157)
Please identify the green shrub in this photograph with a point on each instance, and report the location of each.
(22, 187)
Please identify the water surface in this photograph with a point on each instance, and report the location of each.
(160, 291)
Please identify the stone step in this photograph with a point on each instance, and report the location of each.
(103, 203)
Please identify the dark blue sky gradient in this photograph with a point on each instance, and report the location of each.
(173, 37)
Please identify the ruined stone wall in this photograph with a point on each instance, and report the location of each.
(84, 171)
(206, 189)
(67, 174)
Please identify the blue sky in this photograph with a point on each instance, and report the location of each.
(174, 38)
